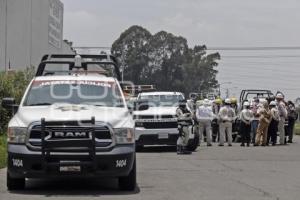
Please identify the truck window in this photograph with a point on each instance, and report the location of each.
(162, 100)
(96, 93)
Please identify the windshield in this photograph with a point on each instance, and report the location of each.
(96, 93)
(162, 100)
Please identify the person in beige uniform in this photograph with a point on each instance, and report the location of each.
(226, 117)
(263, 125)
(283, 115)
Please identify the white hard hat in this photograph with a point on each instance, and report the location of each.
(273, 103)
(279, 96)
(246, 103)
(206, 102)
(227, 101)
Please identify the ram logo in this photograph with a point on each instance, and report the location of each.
(121, 163)
(70, 134)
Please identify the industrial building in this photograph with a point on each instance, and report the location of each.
(28, 30)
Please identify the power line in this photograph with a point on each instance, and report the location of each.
(86, 47)
(264, 56)
(254, 48)
(244, 48)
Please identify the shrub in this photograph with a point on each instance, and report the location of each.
(13, 84)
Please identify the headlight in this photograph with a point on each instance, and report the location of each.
(124, 135)
(16, 135)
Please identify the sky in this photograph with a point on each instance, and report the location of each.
(215, 23)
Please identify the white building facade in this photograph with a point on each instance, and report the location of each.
(28, 30)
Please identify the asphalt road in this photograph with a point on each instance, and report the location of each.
(226, 173)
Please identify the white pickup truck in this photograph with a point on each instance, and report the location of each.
(158, 124)
(71, 122)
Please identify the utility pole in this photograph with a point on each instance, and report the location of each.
(227, 92)
(229, 82)
(5, 48)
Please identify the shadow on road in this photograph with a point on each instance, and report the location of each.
(73, 187)
(157, 149)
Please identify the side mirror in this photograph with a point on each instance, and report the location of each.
(10, 104)
(140, 105)
(7, 103)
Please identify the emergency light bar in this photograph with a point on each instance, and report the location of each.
(76, 61)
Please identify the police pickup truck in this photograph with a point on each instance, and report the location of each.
(158, 125)
(72, 122)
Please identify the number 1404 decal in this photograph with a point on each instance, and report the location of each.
(121, 163)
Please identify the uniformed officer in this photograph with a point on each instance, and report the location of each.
(226, 117)
(185, 123)
(263, 125)
(273, 127)
(283, 116)
(246, 117)
(204, 115)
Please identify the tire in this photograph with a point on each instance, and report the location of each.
(128, 183)
(139, 148)
(14, 183)
(194, 143)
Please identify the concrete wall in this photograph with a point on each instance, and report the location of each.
(2, 32)
(28, 25)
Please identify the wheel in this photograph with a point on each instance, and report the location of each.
(15, 183)
(129, 182)
(194, 143)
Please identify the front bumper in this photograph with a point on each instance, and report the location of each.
(156, 136)
(30, 164)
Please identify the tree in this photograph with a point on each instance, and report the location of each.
(166, 61)
(166, 55)
(129, 48)
(200, 70)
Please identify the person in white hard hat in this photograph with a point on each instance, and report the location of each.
(246, 117)
(204, 115)
(283, 115)
(273, 127)
(226, 117)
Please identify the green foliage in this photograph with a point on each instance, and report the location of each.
(166, 61)
(13, 84)
(3, 154)
(297, 128)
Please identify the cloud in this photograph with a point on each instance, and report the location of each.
(209, 22)
(212, 22)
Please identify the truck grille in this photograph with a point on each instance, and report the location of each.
(102, 134)
(159, 125)
(154, 116)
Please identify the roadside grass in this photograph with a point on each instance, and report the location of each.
(297, 128)
(3, 153)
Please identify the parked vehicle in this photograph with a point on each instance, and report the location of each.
(72, 122)
(158, 124)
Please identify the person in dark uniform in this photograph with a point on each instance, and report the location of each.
(245, 127)
(273, 127)
(292, 117)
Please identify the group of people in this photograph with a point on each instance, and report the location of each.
(265, 118)
(259, 120)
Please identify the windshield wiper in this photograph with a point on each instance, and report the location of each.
(40, 104)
